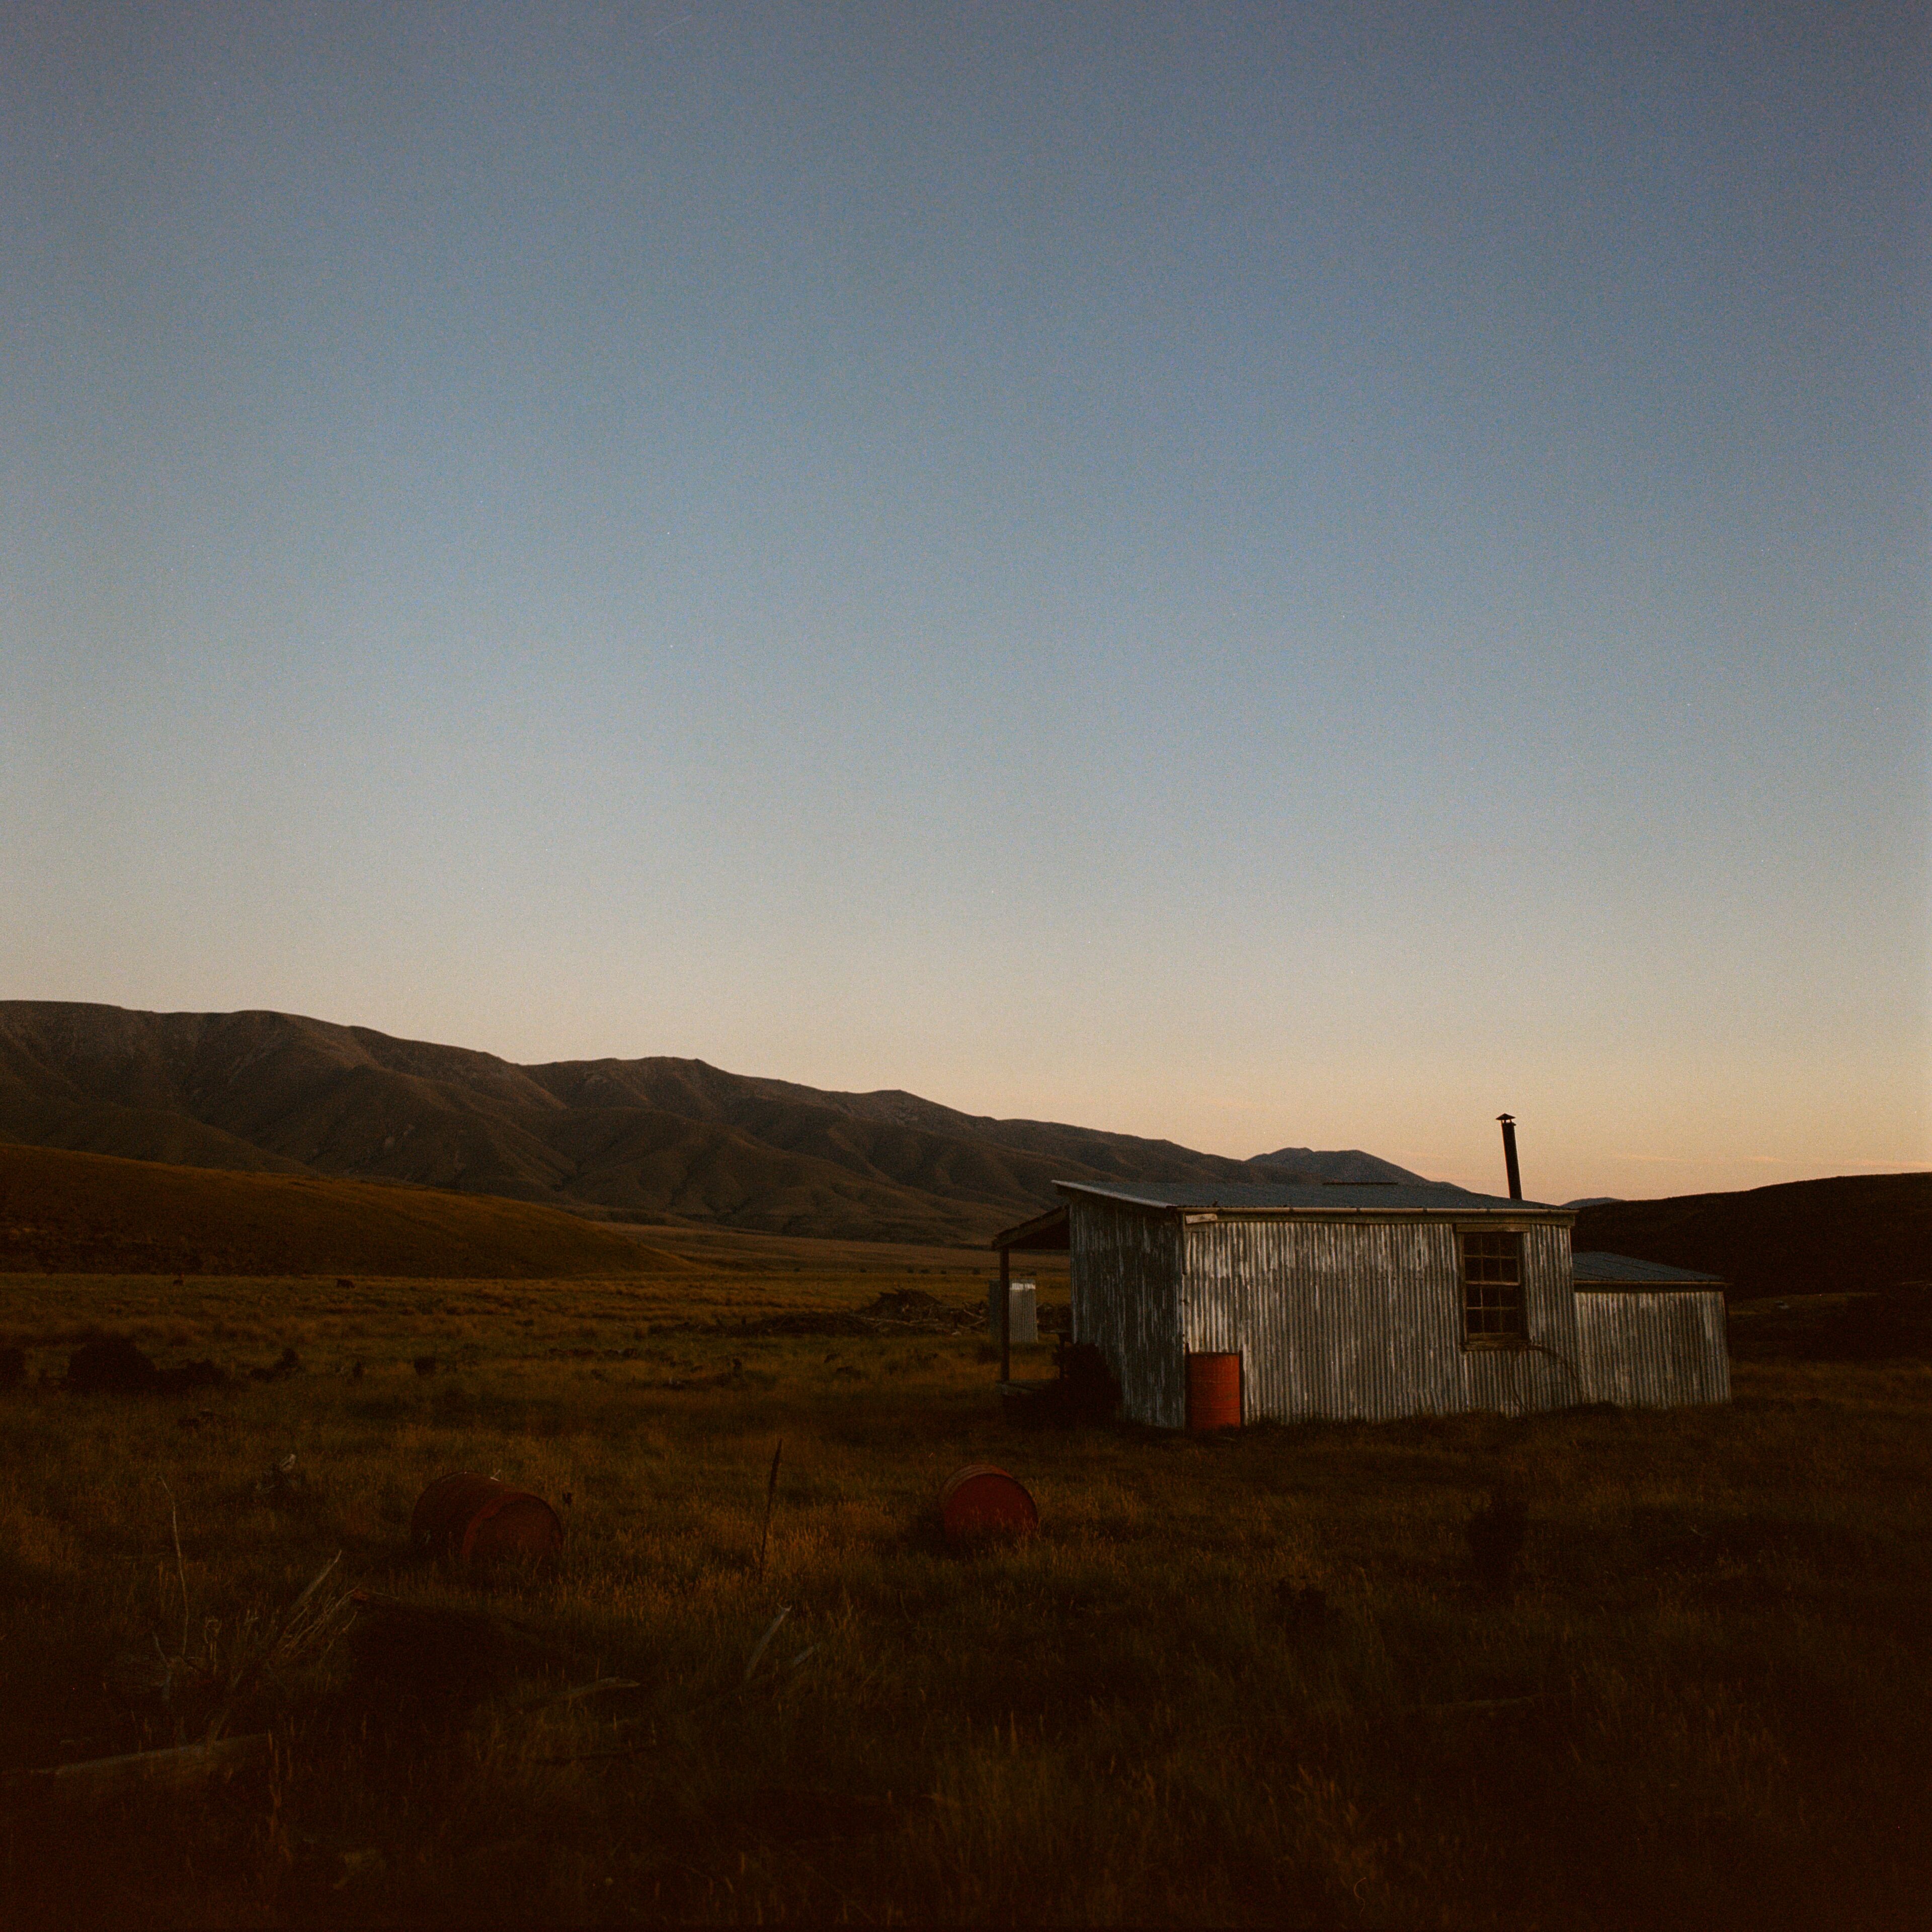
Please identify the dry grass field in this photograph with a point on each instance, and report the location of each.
(1250, 1679)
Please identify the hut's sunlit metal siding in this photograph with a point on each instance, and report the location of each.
(1127, 1301)
(1654, 1351)
(1360, 1316)
(1362, 1320)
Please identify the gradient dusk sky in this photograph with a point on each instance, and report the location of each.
(1260, 575)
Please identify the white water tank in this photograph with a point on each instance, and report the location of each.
(1025, 1311)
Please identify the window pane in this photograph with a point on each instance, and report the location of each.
(1492, 1283)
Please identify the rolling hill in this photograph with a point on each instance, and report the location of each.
(66, 1212)
(1352, 1164)
(660, 1140)
(1853, 1232)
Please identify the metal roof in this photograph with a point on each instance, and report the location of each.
(1592, 1269)
(1326, 1199)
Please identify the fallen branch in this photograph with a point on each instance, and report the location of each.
(771, 1631)
(1477, 1706)
(533, 1633)
(690, 1710)
(771, 1493)
(96, 1779)
(585, 1691)
(305, 1631)
(174, 1518)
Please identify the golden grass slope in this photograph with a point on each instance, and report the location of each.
(61, 1212)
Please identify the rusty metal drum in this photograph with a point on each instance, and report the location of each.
(476, 1522)
(980, 1502)
(1213, 1392)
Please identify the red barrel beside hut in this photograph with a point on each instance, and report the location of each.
(1213, 1392)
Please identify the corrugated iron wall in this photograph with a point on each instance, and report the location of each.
(1364, 1321)
(1646, 1351)
(1127, 1301)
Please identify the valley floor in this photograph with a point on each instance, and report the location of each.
(1255, 1679)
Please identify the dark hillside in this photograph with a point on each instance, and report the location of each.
(1800, 1237)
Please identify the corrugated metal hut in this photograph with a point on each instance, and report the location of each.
(1361, 1300)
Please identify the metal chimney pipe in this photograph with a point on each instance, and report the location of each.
(1509, 1156)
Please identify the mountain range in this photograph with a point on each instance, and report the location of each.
(655, 1141)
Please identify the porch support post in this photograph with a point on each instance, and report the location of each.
(1006, 1314)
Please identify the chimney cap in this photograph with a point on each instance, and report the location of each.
(1506, 1117)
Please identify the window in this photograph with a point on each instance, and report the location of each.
(1493, 1287)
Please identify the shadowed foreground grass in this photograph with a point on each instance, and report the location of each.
(1253, 1679)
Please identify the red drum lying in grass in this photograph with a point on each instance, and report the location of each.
(980, 1500)
(478, 1522)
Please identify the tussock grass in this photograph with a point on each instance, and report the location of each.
(1255, 1679)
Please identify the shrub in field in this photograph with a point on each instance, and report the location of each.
(1496, 1530)
(413, 1661)
(111, 1366)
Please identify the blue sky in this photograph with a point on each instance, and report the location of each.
(1261, 575)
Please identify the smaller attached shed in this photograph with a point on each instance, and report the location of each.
(1367, 1300)
(1651, 1337)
